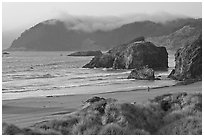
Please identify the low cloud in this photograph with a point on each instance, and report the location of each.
(106, 23)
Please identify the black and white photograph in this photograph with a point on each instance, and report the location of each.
(101, 68)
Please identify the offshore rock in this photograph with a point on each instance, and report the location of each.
(142, 74)
(103, 61)
(86, 53)
(135, 54)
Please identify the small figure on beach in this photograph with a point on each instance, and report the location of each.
(148, 89)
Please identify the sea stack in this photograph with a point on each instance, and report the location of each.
(134, 54)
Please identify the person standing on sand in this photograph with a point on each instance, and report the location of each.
(148, 89)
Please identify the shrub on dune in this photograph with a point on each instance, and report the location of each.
(173, 116)
(92, 119)
(166, 114)
(192, 106)
(153, 114)
(141, 117)
(63, 126)
(194, 99)
(138, 132)
(85, 129)
(94, 130)
(189, 110)
(134, 115)
(79, 129)
(10, 129)
(177, 101)
(29, 131)
(112, 112)
(112, 129)
(98, 106)
(90, 124)
(187, 126)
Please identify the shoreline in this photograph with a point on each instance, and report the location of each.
(28, 111)
(100, 93)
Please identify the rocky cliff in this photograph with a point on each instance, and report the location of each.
(188, 61)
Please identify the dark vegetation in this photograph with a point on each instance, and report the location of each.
(179, 114)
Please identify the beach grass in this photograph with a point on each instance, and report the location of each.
(173, 113)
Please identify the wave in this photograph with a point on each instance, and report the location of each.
(33, 76)
(99, 83)
(33, 88)
(43, 76)
(50, 64)
(20, 90)
(97, 75)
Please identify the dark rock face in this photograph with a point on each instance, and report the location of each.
(188, 61)
(115, 51)
(86, 53)
(142, 74)
(134, 54)
(139, 54)
(103, 61)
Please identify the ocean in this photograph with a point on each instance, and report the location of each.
(40, 74)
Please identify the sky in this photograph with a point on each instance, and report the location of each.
(22, 15)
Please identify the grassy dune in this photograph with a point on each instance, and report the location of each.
(178, 113)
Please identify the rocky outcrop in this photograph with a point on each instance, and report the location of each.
(139, 54)
(188, 61)
(86, 53)
(115, 51)
(103, 61)
(142, 74)
(135, 54)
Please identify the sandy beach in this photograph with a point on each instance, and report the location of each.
(28, 111)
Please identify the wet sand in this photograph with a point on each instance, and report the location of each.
(28, 111)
